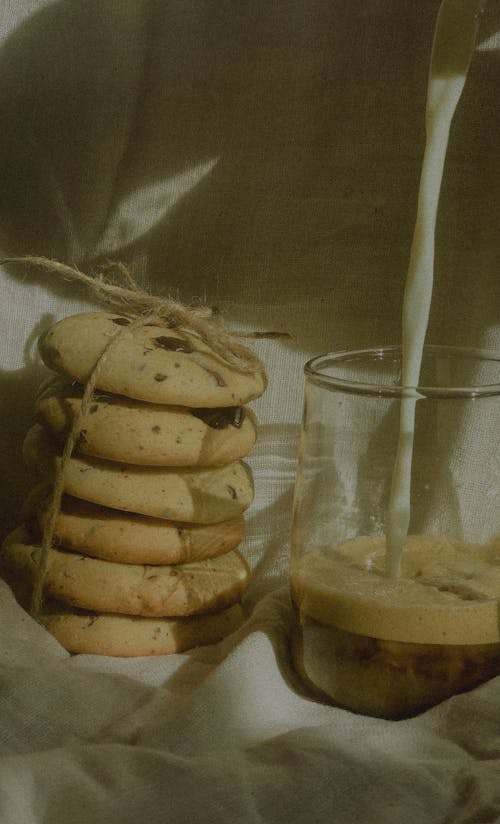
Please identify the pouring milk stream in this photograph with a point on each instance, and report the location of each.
(454, 41)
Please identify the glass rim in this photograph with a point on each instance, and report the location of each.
(312, 371)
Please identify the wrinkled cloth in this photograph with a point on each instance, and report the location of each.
(264, 158)
(226, 734)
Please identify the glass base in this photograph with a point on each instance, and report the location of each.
(385, 679)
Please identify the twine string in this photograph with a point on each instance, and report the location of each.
(54, 506)
(202, 321)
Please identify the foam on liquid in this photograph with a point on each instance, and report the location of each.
(454, 41)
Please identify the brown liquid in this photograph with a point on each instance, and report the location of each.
(392, 648)
(385, 679)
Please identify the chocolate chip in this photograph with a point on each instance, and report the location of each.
(160, 378)
(232, 491)
(218, 378)
(172, 344)
(121, 321)
(93, 408)
(156, 429)
(221, 418)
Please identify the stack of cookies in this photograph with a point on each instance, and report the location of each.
(144, 557)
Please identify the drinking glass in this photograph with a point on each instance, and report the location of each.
(363, 638)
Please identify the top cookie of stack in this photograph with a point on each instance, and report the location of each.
(170, 401)
(158, 455)
(149, 363)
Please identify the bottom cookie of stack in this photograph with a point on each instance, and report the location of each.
(108, 608)
(131, 635)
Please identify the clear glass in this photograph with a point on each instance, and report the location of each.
(376, 644)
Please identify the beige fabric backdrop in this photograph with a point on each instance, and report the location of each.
(260, 156)
(264, 157)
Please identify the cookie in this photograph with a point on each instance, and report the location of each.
(201, 495)
(119, 429)
(93, 633)
(132, 589)
(127, 635)
(149, 363)
(135, 539)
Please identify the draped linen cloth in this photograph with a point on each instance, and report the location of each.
(263, 157)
